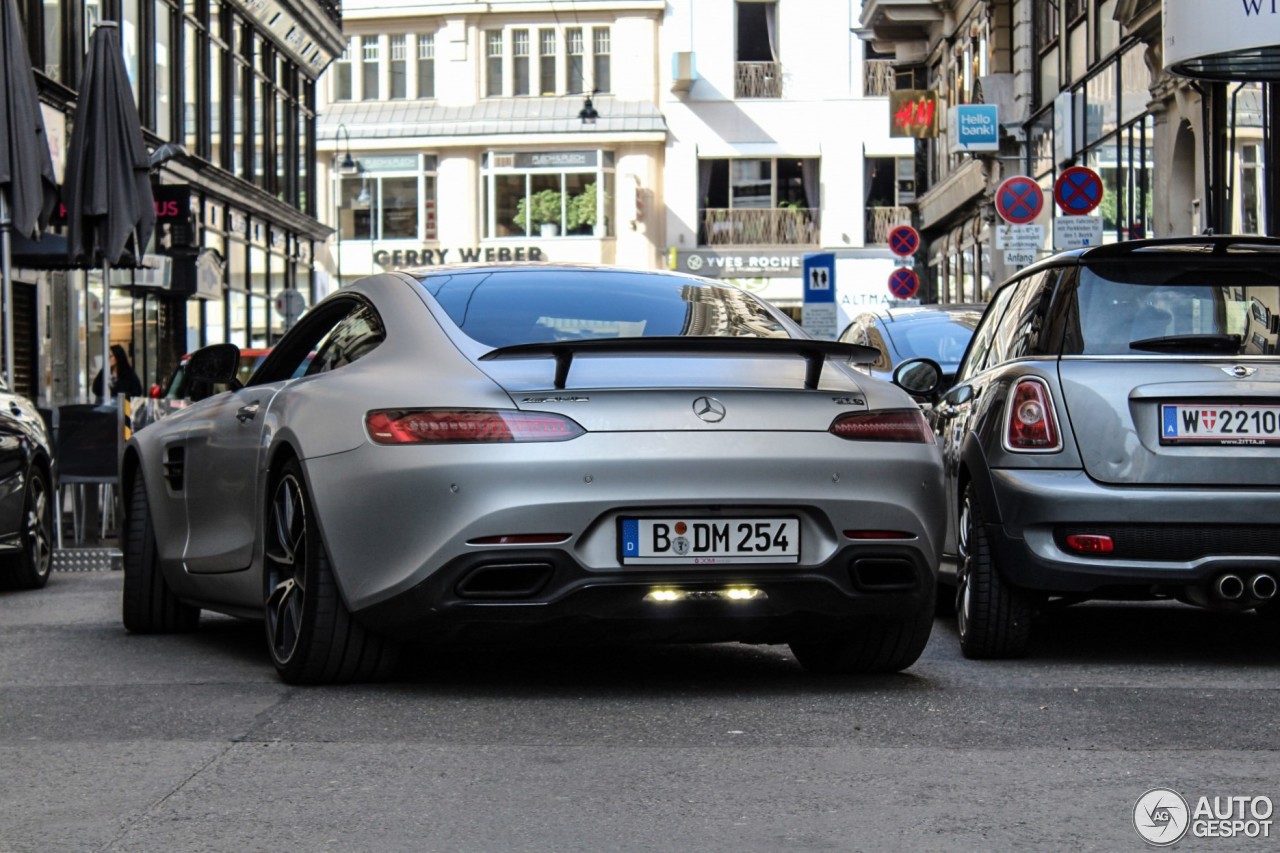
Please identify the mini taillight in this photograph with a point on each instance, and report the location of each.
(891, 425)
(1091, 543)
(467, 426)
(1030, 426)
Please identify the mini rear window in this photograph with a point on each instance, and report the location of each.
(512, 307)
(1161, 309)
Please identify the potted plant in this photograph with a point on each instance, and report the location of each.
(582, 210)
(540, 209)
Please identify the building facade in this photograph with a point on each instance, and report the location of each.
(226, 96)
(1075, 83)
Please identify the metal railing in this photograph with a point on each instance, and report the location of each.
(773, 226)
(882, 220)
(877, 78)
(758, 80)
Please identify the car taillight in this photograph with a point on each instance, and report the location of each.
(468, 426)
(1030, 426)
(891, 425)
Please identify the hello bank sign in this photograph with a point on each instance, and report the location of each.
(975, 127)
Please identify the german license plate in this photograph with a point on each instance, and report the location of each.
(1186, 423)
(709, 541)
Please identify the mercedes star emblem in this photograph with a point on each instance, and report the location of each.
(709, 409)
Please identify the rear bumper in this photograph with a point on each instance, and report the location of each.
(502, 593)
(1190, 535)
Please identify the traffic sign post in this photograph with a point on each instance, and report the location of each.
(819, 314)
(1019, 200)
(904, 241)
(904, 283)
(1078, 191)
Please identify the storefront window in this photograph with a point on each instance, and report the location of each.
(392, 198)
(549, 194)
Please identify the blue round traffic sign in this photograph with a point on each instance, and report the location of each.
(1019, 200)
(904, 241)
(1078, 190)
(903, 283)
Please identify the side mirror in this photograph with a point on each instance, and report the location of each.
(211, 370)
(919, 377)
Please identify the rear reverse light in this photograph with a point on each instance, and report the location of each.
(892, 425)
(469, 426)
(1089, 543)
(1030, 426)
(521, 539)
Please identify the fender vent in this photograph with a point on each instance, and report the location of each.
(175, 467)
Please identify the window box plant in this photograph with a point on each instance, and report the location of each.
(542, 210)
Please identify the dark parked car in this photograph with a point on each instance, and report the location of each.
(1114, 432)
(27, 494)
(939, 332)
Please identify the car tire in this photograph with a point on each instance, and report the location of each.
(992, 618)
(881, 644)
(30, 568)
(311, 635)
(149, 606)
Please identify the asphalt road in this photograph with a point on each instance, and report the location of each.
(110, 742)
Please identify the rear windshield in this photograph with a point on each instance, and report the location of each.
(944, 341)
(511, 307)
(1144, 309)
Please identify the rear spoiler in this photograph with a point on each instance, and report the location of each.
(815, 353)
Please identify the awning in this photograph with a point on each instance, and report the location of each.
(47, 253)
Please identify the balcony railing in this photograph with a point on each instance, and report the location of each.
(759, 80)
(775, 226)
(877, 78)
(882, 220)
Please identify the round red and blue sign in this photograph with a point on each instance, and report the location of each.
(904, 241)
(1078, 190)
(1019, 200)
(904, 283)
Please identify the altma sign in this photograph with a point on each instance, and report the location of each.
(975, 127)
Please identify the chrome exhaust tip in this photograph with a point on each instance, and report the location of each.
(1229, 587)
(1263, 587)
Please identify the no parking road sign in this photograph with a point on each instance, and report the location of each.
(904, 241)
(1078, 190)
(1019, 200)
(903, 283)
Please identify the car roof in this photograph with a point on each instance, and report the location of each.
(927, 313)
(422, 273)
(1182, 248)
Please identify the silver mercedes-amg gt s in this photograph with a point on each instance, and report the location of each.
(486, 450)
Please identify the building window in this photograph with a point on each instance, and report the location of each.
(1251, 211)
(600, 52)
(759, 74)
(399, 68)
(493, 63)
(759, 201)
(392, 198)
(427, 66)
(574, 72)
(554, 194)
(567, 63)
(547, 62)
(369, 68)
(342, 76)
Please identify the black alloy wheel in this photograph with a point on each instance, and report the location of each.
(992, 618)
(310, 633)
(30, 568)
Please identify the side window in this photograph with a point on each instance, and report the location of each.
(1016, 333)
(976, 356)
(351, 339)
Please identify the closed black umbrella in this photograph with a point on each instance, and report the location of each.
(107, 189)
(28, 191)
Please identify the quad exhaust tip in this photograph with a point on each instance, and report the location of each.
(1263, 587)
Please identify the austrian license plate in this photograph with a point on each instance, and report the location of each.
(1185, 423)
(709, 541)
